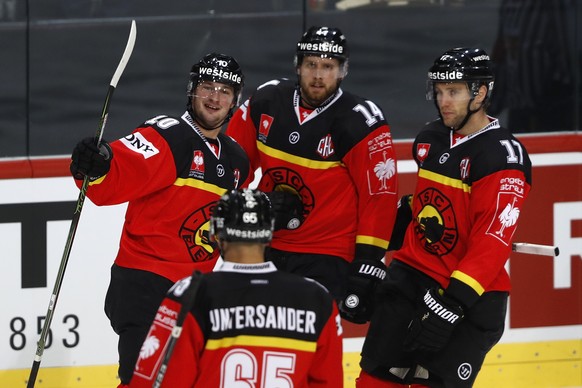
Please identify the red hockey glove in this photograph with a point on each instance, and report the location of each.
(436, 317)
(403, 218)
(89, 160)
(363, 276)
(288, 209)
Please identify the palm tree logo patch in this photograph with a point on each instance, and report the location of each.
(507, 213)
(384, 170)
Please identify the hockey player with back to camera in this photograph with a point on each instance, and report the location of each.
(170, 171)
(329, 166)
(245, 327)
(442, 305)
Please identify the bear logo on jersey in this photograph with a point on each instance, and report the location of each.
(195, 232)
(435, 225)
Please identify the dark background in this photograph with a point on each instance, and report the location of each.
(57, 58)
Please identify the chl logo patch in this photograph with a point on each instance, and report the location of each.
(325, 147)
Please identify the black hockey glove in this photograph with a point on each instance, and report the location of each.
(89, 160)
(403, 218)
(436, 318)
(363, 276)
(288, 209)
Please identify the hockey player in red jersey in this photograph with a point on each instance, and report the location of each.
(328, 164)
(171, 171)
(250, 324)
(442, 306)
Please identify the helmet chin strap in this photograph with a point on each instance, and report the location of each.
(467, 116)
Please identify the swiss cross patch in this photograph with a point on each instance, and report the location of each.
(504, 223)
(153, 348)
(384, 168)
(422, 151)
(265, 125)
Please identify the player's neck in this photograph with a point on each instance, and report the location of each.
(476, 122)
(243, 253)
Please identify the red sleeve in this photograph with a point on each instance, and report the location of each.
(242, 129)
(327, 369)
(372, 166)
(496, 201)
(183, 367)
(134, 172)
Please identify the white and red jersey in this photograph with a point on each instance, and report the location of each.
(468, 197)
(339, 158)
(171, 177)
(251, 326)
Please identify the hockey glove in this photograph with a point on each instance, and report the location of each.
(436, 318)
(288, 209)
(363, 276)
(403, 218)
(89, 160)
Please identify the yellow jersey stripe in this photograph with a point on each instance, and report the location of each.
(200, 185)
(370, 240)
(474, 284)
(313, 164)
(261, 341)
(445, 180)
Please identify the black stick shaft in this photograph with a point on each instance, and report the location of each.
(77, 214)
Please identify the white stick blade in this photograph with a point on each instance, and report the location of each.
(126, 55)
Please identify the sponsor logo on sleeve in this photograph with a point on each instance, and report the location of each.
(152, 350)
(138, 143)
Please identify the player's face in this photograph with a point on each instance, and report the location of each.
(211, 102)
(318, 78)
(453, 101)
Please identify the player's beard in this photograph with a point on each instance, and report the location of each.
(316, 97)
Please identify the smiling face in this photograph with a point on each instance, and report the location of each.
(319, 78)
(211, 103)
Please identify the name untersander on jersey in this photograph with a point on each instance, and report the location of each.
(263, 317)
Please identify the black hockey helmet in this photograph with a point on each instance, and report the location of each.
(217, 68)
(471, 65)
(326, 42)
(243, 215)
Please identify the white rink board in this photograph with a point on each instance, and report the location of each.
(79, 320)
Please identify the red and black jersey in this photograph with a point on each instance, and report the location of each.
(338, 157)
(247, 329)
(466, 206)
(171, 176)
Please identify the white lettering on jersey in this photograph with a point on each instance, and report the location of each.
(138, 143)
(263, 317)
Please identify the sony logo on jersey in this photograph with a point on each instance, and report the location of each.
(445, 75)
(323, 47)
(226, 75)
(138, 143)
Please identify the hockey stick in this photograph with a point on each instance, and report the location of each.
(536, 249)
(188, 302)
(77, 214)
